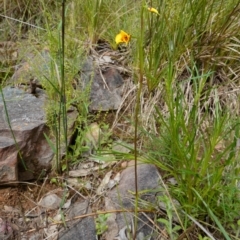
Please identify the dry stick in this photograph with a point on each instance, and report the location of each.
(154, 224)
(100, 71)
(77, 192)
(43, 185)
(186, 232)
(117, 117)
(26, 23)
(104, 81)
(29, 199)
(90, 215)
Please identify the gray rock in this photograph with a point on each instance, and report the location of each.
(121, 198)
(82, 230)
(105, 87)
(79, 229)
(51, 201)
(27, 119)
(28, 123)
(8, 166)
(34, 66)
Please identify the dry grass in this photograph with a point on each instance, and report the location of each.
(19, 16)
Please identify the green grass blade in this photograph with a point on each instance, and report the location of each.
(213, 216)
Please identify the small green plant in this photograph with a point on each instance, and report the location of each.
(79, 147)
(101, 223)
(238, 229)
(54, 181)
(171, 228)
(106, 134)
(203, 238)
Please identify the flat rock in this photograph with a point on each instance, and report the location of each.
(79, 229)
(121, 198)
(27, 118)
(28, 124)
(51, 201)
(105, 86)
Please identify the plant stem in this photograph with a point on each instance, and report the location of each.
(138, 98)
(63, 89)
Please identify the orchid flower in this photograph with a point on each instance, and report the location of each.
(153, 10)
(122, 37)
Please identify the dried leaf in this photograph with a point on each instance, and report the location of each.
(104, 183)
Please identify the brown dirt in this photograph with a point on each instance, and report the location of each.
(24, 196)
(16, 202)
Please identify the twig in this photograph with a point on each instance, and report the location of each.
(91, 215)
(16, 20)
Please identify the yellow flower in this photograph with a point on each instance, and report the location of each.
(153, 10)
(122, 37)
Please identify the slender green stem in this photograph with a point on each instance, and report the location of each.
(138, 98)
(57, 131)
(62, 104)
(63, 94)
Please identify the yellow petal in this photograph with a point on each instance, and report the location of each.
(118, 38)
(153, 10)
(122, 37)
